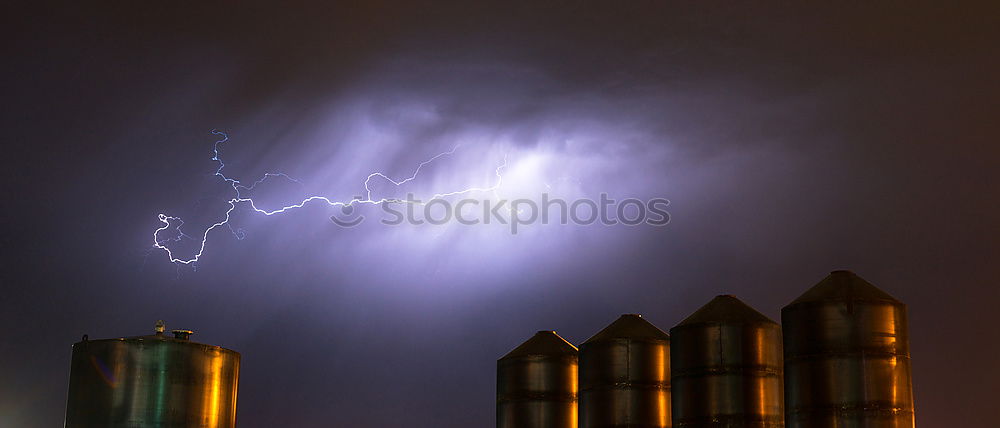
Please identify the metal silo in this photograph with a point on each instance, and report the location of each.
(625, 376)
(537, 384)
(152, 381)
(726, 368)
(847, 357)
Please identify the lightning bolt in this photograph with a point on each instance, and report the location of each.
(239, 199)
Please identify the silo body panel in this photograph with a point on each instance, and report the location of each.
(151, 381)
(727, 368)
(847, 358)
(537, 384)
(625, 376)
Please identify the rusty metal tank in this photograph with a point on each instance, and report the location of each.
(537, 384)
(160, 380)
(625, 376)
(847, 357)
(726, 368)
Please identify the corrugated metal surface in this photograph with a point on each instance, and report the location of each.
(537, 384)
(152, 381)
(625, 376)
(726, 367)
(847, 357)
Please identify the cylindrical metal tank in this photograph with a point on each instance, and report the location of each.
(625, 376)
(537, 384)
(847, 357)
(152, 381)
(726, 368)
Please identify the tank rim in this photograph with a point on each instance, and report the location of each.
(153, 337)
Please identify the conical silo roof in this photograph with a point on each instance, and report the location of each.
(843, 285)
(726, 309)
(546, 343)
(629, 326)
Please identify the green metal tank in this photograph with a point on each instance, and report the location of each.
(847, 357)
(160, 380)
(537, 384)
(625, 376)
(726, 368)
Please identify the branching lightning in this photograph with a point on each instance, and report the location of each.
(238, 198)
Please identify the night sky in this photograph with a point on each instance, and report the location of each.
(789, 141)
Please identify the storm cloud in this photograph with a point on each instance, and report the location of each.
(790, 142)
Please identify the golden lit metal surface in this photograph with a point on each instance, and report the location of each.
(847, 357)
(726, 367)
(152, 381)
(625, 376)
(537, 384)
